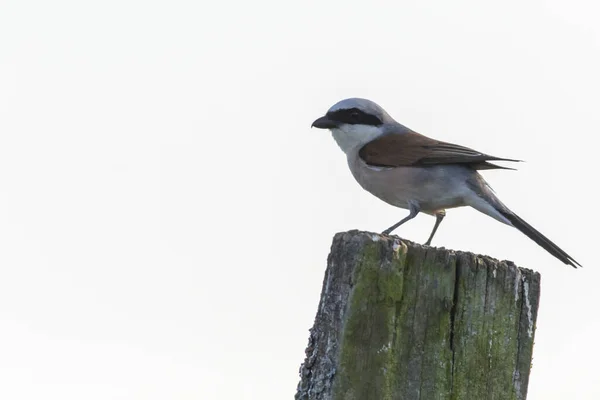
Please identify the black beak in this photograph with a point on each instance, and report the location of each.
(324, 123)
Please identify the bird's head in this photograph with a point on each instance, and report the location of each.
(355, 122)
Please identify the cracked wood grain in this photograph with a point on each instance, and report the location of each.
(398, 320)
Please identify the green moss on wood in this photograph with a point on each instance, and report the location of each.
(397, 335)
(366, 361)
(487, 330)
(402, 321)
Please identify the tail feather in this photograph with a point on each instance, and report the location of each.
(540, 239)
(488, 165)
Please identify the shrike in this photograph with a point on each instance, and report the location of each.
(411, 171)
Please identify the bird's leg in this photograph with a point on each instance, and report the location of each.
(439, 216)
(413, 211)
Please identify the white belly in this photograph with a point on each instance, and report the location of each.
(432, 188)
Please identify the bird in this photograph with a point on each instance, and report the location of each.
(422, 175)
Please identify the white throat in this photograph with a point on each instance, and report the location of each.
(349, 137)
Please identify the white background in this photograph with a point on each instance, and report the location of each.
(166, 210)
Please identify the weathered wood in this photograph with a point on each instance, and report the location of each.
(398, 320)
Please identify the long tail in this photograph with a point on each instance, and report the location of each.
(540, 239)
(485, 200)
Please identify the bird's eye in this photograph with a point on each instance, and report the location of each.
(354, 115)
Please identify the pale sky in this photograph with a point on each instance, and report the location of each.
(166, 210)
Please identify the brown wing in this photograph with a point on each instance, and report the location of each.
(414, 149)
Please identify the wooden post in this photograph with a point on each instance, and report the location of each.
(399, 320)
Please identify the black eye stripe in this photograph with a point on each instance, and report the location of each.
(354, 116)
